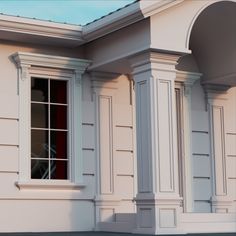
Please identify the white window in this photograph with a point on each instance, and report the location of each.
(50, 149)
(50, 152)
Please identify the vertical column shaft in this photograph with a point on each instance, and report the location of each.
(158, 200)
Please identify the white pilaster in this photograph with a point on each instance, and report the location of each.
(216, 96)
(104, 86)
(186, 80)
(158, 201)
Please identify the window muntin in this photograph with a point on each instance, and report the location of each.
(49, 129)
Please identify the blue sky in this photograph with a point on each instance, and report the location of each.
(70, 11)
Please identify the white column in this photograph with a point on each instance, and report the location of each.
(216, 100)
(158, 201)
(104, 86)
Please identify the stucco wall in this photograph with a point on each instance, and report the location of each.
(60, 210)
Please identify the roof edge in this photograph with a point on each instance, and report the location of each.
(125, 16)
(47, 29)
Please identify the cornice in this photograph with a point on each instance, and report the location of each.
(125, 16)
(23, 59)
(152, 7)
(112, 22)
(72, 34)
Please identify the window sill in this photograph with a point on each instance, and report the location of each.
(49, 185)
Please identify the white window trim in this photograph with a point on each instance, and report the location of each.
(30, 64)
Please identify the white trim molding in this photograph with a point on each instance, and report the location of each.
(47, 66)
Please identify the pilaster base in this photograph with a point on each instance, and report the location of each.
(221, 204)
(105, 207)
(158, 215)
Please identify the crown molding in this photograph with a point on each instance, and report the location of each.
(23, 59)
(28, 29)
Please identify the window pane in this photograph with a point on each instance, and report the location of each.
(39, 169)
(39, 143)
(39, 115)
(39, 90)
(58, 117)
(59, 144)
(58, 169)
(58, 91)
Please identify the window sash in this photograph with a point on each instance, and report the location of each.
(50, 161)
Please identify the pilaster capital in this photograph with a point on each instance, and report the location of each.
(24, 72)
(188, 79)
(154, 60)
(215, 91)
(103, 80)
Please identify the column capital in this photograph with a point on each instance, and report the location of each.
(153, 60)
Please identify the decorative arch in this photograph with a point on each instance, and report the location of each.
(196, 16)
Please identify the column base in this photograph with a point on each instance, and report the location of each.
(158, 215)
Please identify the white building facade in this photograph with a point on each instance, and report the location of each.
(127, 124)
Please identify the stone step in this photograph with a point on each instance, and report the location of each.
(121, 227)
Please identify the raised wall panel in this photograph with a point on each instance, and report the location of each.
(7, 183)
(167, 218)
(9, 131)
(200, 143)
(106, 144)
(142, 142)
(88, 161)
(124, 138)
(88, 137)
(231, 166)
(166, 176)
(202, 207)
(201, 166)
(9, 106)
(219, 149)
(125, 186)
(88, 116)
(231, 144)
(90, 189)
(124, 162)
(123, 115)
(202, 188)
(107, 214)
(9, 159)
(200, 121)
(232, 188)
